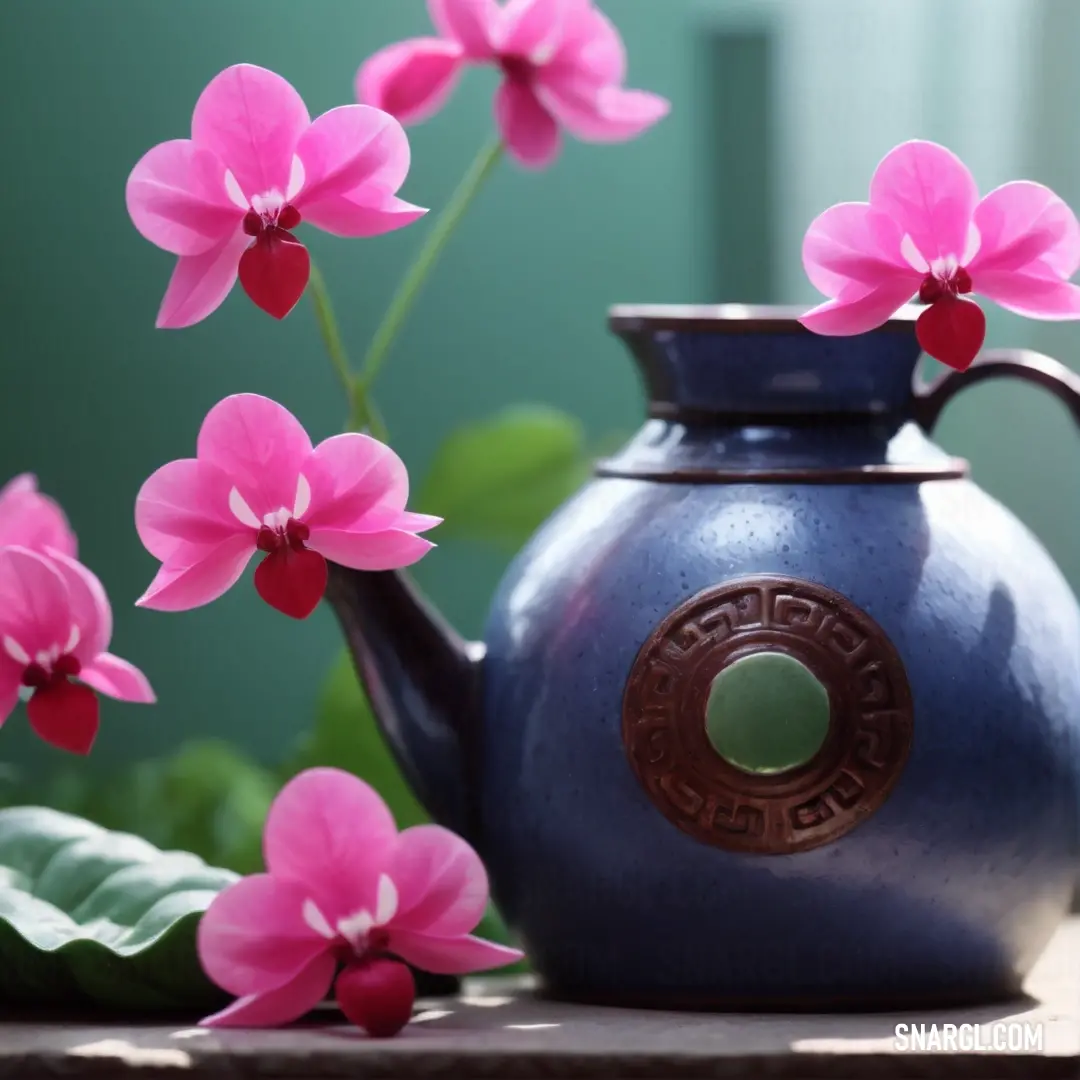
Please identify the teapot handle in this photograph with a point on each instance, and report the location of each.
(1024, 364)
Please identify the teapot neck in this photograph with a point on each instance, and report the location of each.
(731, 364)
(748, 394)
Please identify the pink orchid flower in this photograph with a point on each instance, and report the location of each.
(32, 520)
(563, 63)
(55, 625)
(344, 889)
(256, 484)
(226, 201)
(926, 231)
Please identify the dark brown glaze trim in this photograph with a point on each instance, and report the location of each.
(731, 318)
(951, 469)
(1021, 364)
(673, 413)
(665, 701)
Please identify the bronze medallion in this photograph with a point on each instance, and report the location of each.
(716, 802)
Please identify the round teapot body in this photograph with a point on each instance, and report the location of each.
(946, 890)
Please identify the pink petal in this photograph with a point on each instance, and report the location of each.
(260, 446)
(350, 150)
(1038, 295)
(389, 550)
(254, 938)
(441, 883)
(32, 520)
(200, 283)
(177, 199)
(117, 678)
(350, 475)
(531, 29)
(600, 113)
(853, 242)
(195, 576)
(252, 119)
(24, 483)
(34, 600)
(952, 330)
(331, 833)
(380, 518)
(1022, 222)
(292, 582)
(930, 194)
(590, 46)
(342, 216)
(450, 955)
(471, 23)
(858, 309)
(411, 80)
(65, 715)
(88, 606)
(287, 1003)
(274, 272)
(185, 500)
(528, 129)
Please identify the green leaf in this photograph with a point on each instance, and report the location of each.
(498, 480)
(207, 798)
(215, 802)
(90, 916)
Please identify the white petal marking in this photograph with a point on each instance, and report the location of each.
(269, 202)
(241, 511)
(43, 658)
(277, 520)
(914, 257)
(387, 904)
(234, 191)
(73, 639)
(296, 178)
(974, 242)
(317, 920)
(15, 650)
(355, 926)
(303, 497)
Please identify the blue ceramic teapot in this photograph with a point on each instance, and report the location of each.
(780, 710)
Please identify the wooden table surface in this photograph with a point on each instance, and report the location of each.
(498, 1029)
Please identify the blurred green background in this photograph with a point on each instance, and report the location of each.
(779, 109)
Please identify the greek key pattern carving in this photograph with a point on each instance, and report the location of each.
(864, 753)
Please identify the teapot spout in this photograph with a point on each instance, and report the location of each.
(423, 681)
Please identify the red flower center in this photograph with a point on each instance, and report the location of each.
(274, 271)
(951, 329)
(936, 287)
(293, 537)
(517, 69)
(283, 219)
(41, 677)
(376, 995)
(374, 943)
(291, 578)
(62, 713)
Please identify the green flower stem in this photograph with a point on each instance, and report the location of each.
(409, 289)
(328, 327)
(362, 411)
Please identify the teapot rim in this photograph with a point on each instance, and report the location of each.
(732, 318)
